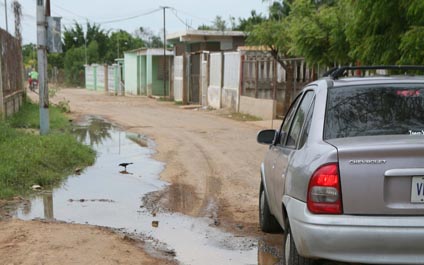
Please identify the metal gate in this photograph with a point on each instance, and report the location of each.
(194, 89)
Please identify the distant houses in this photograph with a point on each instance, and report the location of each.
(209, 68)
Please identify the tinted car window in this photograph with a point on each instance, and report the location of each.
(287, 120)
(307, 127)
(299, 119)
(374, 110)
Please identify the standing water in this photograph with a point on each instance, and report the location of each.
(106, 194)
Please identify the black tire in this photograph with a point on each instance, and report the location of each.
(290, 254)
(267, 221)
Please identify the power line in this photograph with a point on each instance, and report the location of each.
(194, 16)
(129, 18)
(174, 11)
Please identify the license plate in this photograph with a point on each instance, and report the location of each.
(417, 190)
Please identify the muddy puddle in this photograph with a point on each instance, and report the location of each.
(107, 195)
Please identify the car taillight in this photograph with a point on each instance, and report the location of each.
(324, 194)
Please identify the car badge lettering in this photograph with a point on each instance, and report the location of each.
(411, 132)
(367, 162)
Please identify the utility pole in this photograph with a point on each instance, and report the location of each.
(42, 65)
(164, 51)
(5, 13)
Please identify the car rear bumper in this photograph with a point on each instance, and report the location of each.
(350, 238)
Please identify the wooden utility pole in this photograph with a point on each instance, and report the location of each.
(42, 65)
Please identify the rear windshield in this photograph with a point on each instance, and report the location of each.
(374, 110)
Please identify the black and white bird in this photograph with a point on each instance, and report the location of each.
(125, 165)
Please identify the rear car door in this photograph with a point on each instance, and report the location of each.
(288, 144)
(271, 158)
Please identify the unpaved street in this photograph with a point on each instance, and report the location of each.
(212, 165)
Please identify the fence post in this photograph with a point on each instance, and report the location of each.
(2, 112)
(256, 78)
(221, 88)
(106, 79)
(185, 79)
(274, 79)
(240, 81)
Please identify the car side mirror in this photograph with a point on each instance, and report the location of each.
(266, 137)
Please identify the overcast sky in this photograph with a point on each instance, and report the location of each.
(143, 13)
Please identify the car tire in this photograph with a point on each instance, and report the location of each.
(267, 221)
(290, 254)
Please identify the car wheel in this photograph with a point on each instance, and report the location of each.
(291, 256)
(267, 221)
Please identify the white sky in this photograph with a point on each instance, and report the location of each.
(183, 13)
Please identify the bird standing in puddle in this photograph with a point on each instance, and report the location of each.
(125, 168)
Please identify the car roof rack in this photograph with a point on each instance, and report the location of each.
(338, 72)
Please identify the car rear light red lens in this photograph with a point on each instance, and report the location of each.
(324, 194)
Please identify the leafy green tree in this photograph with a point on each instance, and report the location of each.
(119, 42)
(318, 32)
(74, 66)
(29, 55)
(246, 24)
(411, 44)
(375, 30)
(219, 23)
(275, 35)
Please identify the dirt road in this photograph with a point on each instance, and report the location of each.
(212, 163)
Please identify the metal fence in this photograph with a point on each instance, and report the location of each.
(11, 74)
(263, 78)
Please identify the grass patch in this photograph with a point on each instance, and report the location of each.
(165, 99)
(29, 117)
(241, 117)
(178, 102)
(28, 158)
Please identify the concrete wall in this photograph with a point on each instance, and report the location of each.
(90, 77)
(230, 91)
(142, 75)
(178, 78)
(263, 108)
(215, 81)
(100, 80)
(12, 103)
(130, 73)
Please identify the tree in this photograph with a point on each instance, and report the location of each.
(411, 43)
(246, 24)
(375, 30)
(275, 35)
(219, 24)
(318, 32)
(29, 55)
(74, 66)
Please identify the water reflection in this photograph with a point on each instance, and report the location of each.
(101, 195)
(92, 131)
(48, 206)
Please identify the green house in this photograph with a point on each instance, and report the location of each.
(146, 71)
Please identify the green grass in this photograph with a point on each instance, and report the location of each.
(28, 159)
(29, 117)
(238, 116)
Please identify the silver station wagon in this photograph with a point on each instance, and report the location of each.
(344, 174)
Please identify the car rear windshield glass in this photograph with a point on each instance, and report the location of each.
(374, 110)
